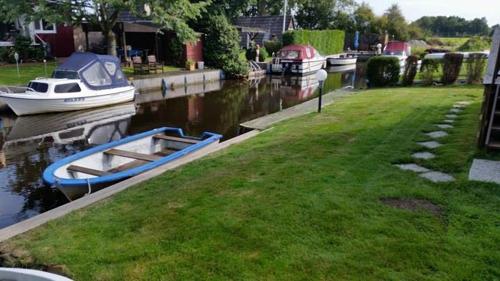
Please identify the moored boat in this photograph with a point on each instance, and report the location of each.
(341, 60)
(22, 274)
(399, 50)
(298, 60)
(84, 80)
(103, 165)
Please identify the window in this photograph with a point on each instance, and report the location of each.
(65, 74)
(292, 55)
(67, 88)
(96, 76)
(43, 26)
(308, 53)
(110, 67)
(38, 87)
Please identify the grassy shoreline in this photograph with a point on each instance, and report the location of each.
(300, 202)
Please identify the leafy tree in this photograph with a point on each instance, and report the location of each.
(222, 46)
(324, 14)
(365, 19)
(453, 26)
(396, 23)
(171, 15)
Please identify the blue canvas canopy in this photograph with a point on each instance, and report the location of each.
(96, 71)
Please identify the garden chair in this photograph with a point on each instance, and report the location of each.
(139, 67)
(153, 65)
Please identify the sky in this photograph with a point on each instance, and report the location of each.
(414, 9)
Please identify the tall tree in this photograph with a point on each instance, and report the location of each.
(364, 17)
(171, 15)
(323, 14)
(396, 23)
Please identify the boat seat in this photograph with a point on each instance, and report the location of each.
(170, 138)
(127, 166)
(133, 155)
(88, 171)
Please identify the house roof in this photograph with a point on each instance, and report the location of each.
(272, 24)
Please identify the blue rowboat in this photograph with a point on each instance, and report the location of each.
(103, 165)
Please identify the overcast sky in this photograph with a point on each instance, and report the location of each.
(469, 9)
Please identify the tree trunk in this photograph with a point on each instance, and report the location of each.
(111, 42)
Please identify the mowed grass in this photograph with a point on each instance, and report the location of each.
(453, 42)
(299, 202)
(27, 72)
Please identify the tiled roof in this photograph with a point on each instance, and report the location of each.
(273, 24)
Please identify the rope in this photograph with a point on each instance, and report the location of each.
(89, 187)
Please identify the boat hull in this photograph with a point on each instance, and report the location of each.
(298, 67)
(75, 184)
(27, 104)
(342, 61)
(29, 274)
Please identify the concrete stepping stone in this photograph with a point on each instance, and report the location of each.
(449, 121)
(437, 177)
(423, 155)
(455, 110)
(437, 134)
(412, 167)
(430, 144)
(485, 171)
(463, 103)
(444, 126)
(451, 116)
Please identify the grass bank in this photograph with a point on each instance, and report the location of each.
(27, 72)
(299, 202)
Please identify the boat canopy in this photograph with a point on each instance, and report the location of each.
(297, 52)
(96, 71)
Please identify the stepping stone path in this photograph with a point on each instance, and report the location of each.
(423, 155)
(437, 134)
(430, 144)
(444, 126)
(436, 176)
(412, 167)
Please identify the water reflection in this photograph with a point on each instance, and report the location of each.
(29, 144)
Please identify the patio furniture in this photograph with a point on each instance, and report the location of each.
(139, 67)
(153, 65)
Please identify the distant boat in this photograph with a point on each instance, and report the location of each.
(84, 80)
(109, 163)
(298, 60)
(398, 49)
(21, 274)
(340, 60)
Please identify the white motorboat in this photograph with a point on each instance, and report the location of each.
(341, 60)
(298, 60)
(84, 80)
(22, 274)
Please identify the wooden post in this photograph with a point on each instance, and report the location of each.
(491, 83)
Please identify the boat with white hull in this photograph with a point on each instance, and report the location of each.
(23, 274)
(298, 60)
(84, 81)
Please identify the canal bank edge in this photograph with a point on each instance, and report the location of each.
(309, 106)
(31, 223)
(262, 123)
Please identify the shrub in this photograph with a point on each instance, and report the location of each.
(452, 63)
(273, 46)
(410, 70)
(428, 68)
(475, 68)
(476, 44)
(251, 53)
(7, 55)
(23, 47)
(222, 47)
(327, 42)
(383, 71)
(175, 51)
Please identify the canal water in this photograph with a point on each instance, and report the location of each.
(29, 144)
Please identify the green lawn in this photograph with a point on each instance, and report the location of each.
(28, 71)
(453, 42)
(299, 202)
(167, 68)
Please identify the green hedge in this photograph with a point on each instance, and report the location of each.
(327, 42)
(383, 71)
